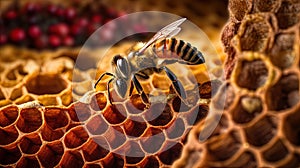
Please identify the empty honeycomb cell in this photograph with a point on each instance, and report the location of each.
(93, 151)
(288, 14)
(21, 71)
(291, 127)
(8, 135)
(171, 154)
(79, 111)
(75, 137)
(282, 53)
(71, 159)
(261, 132)
(267, 5)
(98, 102)
(159, 114)
(8, 115)
(50, 154)
(46, 84)
(9, 156)
(276, 152)
(133, 153)
(28, 161)
(96, 125)
(134, 128)
(30, 120)
(48, 134)
(179, 106)
(292, 162)
(238, 8)
(223, 147)
(251, 74)
(176, 129)
(56, 117)
(11, 75)
(246, 160)
(197, 114)
(16, 93)
(114, 161)
(284, 94)
(115, 114)
(115, 137)
(255, 32)
(135, 105)
(247, 109)
(225, 97)
(208, 89)
(30, 144)
(152, 140)
(151, 162)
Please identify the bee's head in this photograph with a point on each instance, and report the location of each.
(121, 67)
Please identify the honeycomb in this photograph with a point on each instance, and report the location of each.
(259, 125)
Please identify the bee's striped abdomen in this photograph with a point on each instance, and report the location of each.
(172, 48)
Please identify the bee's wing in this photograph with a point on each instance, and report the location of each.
(168, 31)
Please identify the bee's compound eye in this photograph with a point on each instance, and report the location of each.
(121, 87)
(122, 65)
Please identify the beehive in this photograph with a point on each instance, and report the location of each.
(260, 124)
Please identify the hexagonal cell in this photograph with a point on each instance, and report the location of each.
(115, 114)
(152, 140)
(16, 93)
(151, 162)
(251, 74)
(9, 156)
(133, 127)
(98, 102)
(238, 8)
(50, 154)
(48, 134)
(266, 5)
(179, 106)
(208, 89)
(56, 117)
(284, 94)
(159, 114)
(276, 152)
(176, 129)
(133, 152)
(8, 115)
(291, 127)
(28, 161)
(75, 137)
(262, 131)
(255, 33)
(96, 125)
(171, 154)
(46, 84)
(246, 159)
(288, 14)
(114, 161)
(282, 53)
(224, 146)
(79, 111)
(115, 137)
(8, 135)
(30, 144)
(92, 150)
(72, 159)
(30, 120)
(247, 109)
(135, 105)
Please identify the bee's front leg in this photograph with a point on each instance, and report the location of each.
(140, 90)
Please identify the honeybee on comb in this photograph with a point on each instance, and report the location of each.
(153, 56)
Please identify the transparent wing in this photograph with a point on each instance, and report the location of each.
(168, 31)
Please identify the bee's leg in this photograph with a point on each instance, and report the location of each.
(176, 83)
(108, 90)
(99, 79)
(131, 88)
(140, 90)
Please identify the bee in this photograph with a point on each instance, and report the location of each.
(152, 57)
